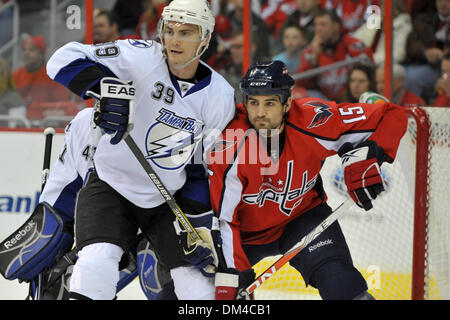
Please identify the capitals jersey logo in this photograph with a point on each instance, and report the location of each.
(172, 140)
(286, 198)
(322, 113)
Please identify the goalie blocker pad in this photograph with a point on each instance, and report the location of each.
(34, 246)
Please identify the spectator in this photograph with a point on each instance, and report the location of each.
(32, 81)
(401, 28)
(259, 29)
(416, 7)
(275, 12)
(106, 27)
(360, 80)
(400, 95)
(293, 42)
(351, 13)
(426, 45)
(329, 46)
(232, 72)
(11, 103)
(6, 24)
(148, 22)
(127, 13)
(220, 58)
(443, 84)
(304, 17)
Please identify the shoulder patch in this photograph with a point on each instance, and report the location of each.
(322, 111)
(141, 43)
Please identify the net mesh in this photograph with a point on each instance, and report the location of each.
(381, 241)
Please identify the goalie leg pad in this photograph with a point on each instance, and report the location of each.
(129, 273)
(36, 245)
(153, 277)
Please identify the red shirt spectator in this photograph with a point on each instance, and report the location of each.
(409, 99)
(32, 81)
(275, 12)
(442, 101)
(442, 85)
(400, 95)
(148, 22)
(352, 13)
(329, 46)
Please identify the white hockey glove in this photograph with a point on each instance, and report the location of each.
(362, 173)
(372, 98)
(114, 108)
(203, 253)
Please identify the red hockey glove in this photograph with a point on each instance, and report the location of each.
(231, 282)
(362, 172)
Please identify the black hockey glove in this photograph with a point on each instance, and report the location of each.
(114, 108)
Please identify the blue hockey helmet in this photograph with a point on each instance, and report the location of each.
(267, 78)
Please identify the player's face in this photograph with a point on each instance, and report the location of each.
(181, 41)
(266, 112)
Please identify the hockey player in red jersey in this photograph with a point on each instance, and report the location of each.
(265, 181)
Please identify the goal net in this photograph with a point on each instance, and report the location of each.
(401, 246)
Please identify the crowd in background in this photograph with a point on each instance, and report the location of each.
(304, 34)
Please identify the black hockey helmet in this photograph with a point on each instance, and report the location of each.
(267, 78)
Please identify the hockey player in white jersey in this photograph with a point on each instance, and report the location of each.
(180, 106)
(49, 267)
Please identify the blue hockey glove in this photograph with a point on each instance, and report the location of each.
(114, 108)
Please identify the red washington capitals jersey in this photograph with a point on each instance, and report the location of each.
(255, 196)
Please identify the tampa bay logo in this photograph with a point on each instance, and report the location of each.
(172, 140)
(322, 113)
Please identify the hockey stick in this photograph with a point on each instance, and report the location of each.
(299, 246)
(162, 189)
(48, 133)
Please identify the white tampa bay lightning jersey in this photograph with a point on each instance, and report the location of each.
(70, 169)
(174, 123)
